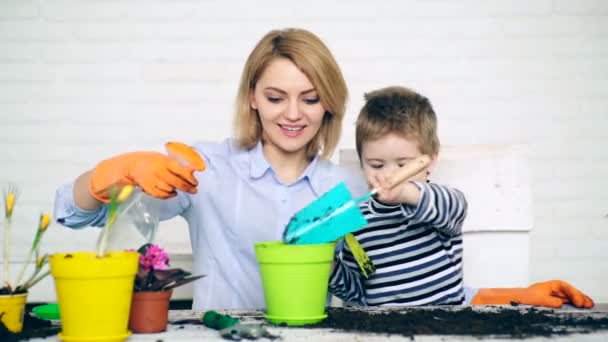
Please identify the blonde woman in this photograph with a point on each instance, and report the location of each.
(289, 110)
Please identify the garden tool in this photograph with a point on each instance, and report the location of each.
(137, 222)
(138, 217)
(232, 329)
(336, 213)
(365, 263)
(153, 172)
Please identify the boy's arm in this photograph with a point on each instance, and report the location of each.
(346, 280)
(442, 207)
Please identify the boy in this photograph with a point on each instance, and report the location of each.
(414, 233)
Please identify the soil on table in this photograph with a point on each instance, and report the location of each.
(515, 323)
(32, 327)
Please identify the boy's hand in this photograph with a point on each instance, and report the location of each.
(404, 193)
(396, 189)
(552, 293)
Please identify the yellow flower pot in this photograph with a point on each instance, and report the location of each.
(12, 309)
(94, 294)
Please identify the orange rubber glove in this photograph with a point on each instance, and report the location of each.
(552, 293)
(155, 173)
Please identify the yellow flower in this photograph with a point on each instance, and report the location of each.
(9, 202)
(42, 260)
(45, 221)
(124, 193)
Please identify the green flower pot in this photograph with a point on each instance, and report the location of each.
(295, 280)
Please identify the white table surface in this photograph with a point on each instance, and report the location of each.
(192, 333)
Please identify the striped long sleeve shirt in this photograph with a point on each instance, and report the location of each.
(417, 252)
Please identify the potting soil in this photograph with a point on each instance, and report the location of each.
(515, 323)
(32, 327)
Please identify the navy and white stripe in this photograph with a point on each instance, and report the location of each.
(417, 251)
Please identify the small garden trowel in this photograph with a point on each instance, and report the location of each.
(365, 263)
(336, 213)
(232, 329)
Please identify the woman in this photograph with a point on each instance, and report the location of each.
(289, 110)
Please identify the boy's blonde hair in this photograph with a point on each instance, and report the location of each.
(314, 59)
(398, 110)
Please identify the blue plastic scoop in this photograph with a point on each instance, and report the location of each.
(336, 213)
(326, 219)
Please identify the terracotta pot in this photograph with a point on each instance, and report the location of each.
(149, 311)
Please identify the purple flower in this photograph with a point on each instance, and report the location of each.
(154, 273)
(154, 258)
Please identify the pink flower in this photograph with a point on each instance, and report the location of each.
(154, 259)
(154, 273)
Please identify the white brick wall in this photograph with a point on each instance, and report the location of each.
(82, 80)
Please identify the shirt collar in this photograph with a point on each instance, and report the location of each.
(258, 164)
(313, 173)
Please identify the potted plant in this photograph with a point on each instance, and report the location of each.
(13, 294)
(94, 289)
(154, 284)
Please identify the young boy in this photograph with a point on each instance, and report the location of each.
(414, 233)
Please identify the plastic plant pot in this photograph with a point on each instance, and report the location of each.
(12, 308)
(295, 280)
(94, 294)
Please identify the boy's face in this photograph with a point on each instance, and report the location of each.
(388, 153)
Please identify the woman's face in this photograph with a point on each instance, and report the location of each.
(289, 107)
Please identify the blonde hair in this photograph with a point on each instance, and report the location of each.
(314, 59)
(398, 110)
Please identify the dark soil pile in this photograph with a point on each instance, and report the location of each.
(32, 327)
(5, 291)
(505, 322)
